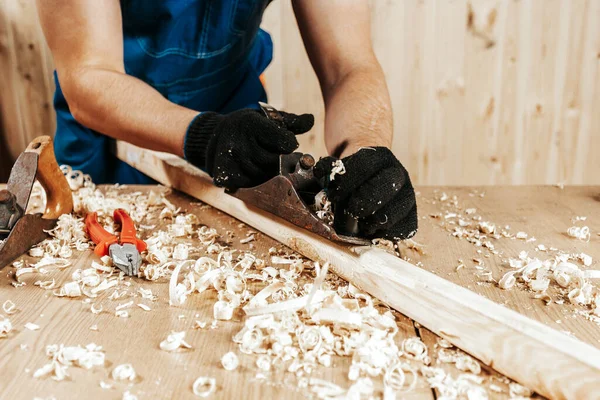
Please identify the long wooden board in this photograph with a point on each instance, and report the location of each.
(548, 361)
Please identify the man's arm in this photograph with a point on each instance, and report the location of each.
(337, 37)
(86, 40)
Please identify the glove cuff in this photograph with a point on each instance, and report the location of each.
(198, 136)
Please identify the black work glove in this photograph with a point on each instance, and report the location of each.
(242, 149)
(376, 190)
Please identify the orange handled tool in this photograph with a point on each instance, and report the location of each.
(125, 252)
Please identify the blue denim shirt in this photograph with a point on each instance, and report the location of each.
(206, 55)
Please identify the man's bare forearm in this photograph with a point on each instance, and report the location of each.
(358, 112)
(125, 108)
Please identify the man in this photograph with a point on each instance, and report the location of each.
(183, 76)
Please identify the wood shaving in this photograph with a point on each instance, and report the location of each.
(338, 169)
(124, 372)
(263, 362)
(124, 305)
(31, 326)
(147, 294)
(144, 307)
(230, 361)
(122, 314)
(585, 259)
(129, 396)
(96, 310)
(248, 239)
(465, 386)
(174, 341)
(63, 357)
(323, 208)
(9, 307)
(519, 391)
(69, 289)
(204, 386)
(105, 385)
(47, 285)
(5, 326)
(223, 310)
(581, 233)
(415, 349)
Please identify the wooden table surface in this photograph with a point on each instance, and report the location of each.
(543, 212)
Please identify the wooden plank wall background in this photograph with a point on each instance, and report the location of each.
(26, 82)
(484, 91)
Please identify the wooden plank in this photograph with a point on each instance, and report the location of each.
(539, 357)
(135, 339)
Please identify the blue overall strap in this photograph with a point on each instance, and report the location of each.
(202, 54)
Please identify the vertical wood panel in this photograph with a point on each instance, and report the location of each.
(26, 76)
(483, 91)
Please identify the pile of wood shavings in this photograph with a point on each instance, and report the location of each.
(574, 284)
(291, 324)
(63, 357)
(560, 271)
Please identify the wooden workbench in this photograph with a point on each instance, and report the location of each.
(543, 212)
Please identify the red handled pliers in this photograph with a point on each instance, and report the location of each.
(125, 252)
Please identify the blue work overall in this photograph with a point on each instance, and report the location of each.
(206, 55)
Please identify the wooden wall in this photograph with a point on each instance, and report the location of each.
(484, 91)
(26, 82)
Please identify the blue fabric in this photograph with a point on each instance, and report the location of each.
(206, 55)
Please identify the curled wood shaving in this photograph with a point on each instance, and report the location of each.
(122, 314)
(9, 307)
(204, 386)
(581, 233)
(323, 208)
(263, 362)
(230, 361)
(69, 289)
(96, 310)
(124, 372)
(338, 169)
(178, 292)
(414, 348)
(174, 341)
(508, 280)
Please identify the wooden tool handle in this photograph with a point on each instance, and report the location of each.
(128, 234)
(59, 199)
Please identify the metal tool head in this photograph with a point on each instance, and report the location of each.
(19, 231)
(14, 199)
(290, 194)
(272, 114)
(27, 232)
(126, 257)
